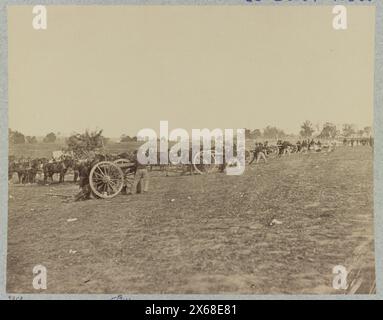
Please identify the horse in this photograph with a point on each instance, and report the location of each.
(31, 171)
(21, 167)
(11, 167)
(50, 168)
(72, 163)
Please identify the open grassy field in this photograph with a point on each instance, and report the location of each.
(204, 234)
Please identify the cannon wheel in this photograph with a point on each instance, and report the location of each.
(106, 179)
(202, 166)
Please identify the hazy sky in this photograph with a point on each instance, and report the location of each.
(127, 68)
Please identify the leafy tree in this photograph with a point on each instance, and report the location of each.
(126, 138)
(273, 133)
(49, 138)
(30, 139)
(329, 131)
(307, 129)
(367, 131)
(15, 137)
(256, 134)
(81, 144)
(349, 129)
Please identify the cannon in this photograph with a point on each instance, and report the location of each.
(107, 178)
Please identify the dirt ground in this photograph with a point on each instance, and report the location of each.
(204, 234)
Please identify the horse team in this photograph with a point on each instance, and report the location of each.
(28, 169)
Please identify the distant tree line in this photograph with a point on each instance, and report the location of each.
(89, 141)
(126, 138)
(269, 132)
(16, 137)
(330, 131)
(308, 130)
(50, 138)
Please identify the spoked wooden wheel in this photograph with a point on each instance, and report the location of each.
(106, 179)
(127, 168)
(205, 165)
(128, 180)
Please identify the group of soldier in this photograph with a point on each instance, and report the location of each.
(359, 142)
(262, 150)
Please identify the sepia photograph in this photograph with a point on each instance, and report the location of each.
(191, 149)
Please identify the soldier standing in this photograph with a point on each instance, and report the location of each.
(141, 177)
(259, 153)
(299, 146)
